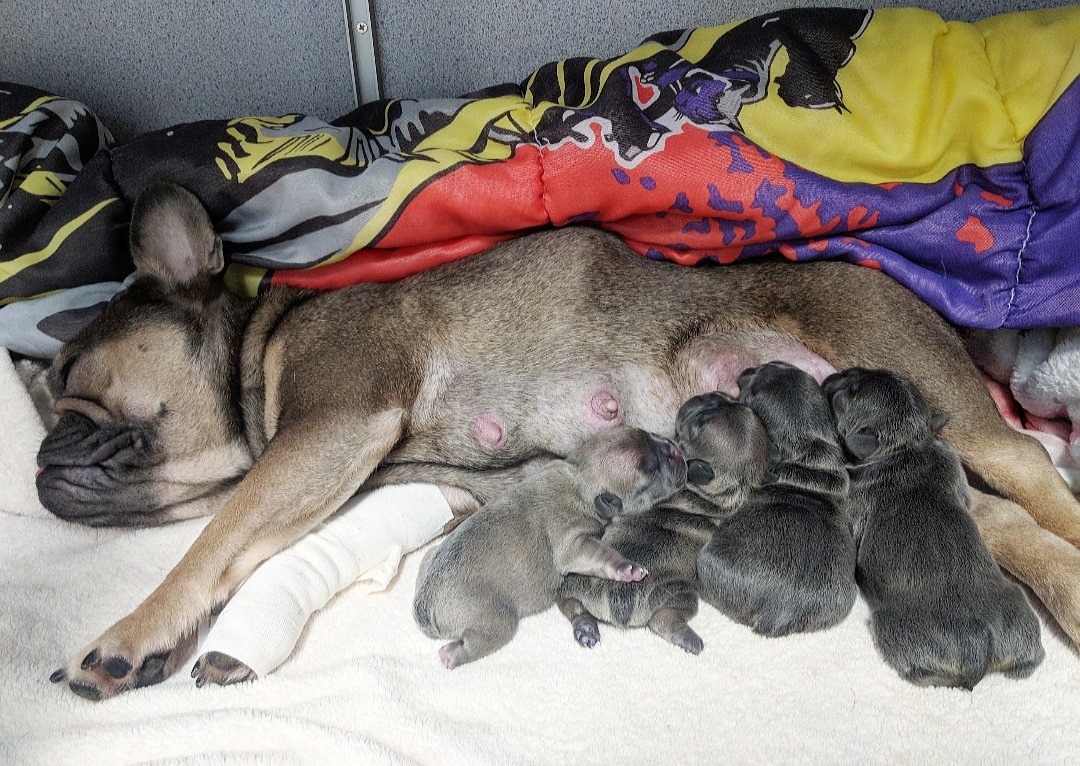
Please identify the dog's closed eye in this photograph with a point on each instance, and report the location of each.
(698, 472)
(861, 443)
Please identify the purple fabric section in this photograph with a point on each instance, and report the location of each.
(1048, 293)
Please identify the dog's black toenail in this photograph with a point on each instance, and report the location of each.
(58, 676)
(91, 659)
(152, 671)
(195, 669)
(200, 682)
(85, 690)
(117, 667)
(222, 661)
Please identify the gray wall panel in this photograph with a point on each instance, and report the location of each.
(450, 48)
(142, 65)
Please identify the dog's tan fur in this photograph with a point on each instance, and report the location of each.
(309, 393)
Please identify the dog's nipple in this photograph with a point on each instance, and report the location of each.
(605, 406)
(490, 432)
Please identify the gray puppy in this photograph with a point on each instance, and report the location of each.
(943, 613)
(507, 560)
(730, 456)
(785, 562)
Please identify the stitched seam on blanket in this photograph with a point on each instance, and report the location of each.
(543, 169)
(1023, 245)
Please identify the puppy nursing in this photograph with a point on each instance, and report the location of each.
(943, 613)
(785, 561)
(507, 560)
(730, 456)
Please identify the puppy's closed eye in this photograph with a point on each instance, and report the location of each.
(699, 472)
(862, 443)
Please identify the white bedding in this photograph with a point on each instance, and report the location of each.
(365, 686)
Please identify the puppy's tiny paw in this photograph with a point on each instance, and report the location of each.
(687, 640)
(631, 572)
(221, 669)
(451, 654)
(586, 630)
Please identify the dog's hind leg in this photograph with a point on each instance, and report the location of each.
(308, 470)
(496, 631)
(1018, 467)
(1044, 562)
(585, 625)
(674, 604)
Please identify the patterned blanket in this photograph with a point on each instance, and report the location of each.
(944, 153)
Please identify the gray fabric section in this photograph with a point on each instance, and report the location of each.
(21, 323)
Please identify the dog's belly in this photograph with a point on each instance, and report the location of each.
(486, 415)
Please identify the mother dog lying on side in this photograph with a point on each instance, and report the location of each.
(183, 399)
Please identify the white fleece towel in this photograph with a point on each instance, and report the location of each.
(366, 687)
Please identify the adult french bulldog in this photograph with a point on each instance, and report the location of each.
(183, 399)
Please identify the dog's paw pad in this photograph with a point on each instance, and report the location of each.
(221, 669)
(586, 631)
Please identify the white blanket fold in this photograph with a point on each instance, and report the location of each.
(364, 686)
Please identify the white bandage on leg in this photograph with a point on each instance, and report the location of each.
(364, 540)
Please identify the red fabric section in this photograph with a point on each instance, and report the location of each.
(464, 212)
(375, 265)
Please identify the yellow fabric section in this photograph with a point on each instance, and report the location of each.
(1035, 56)
(250, 156)
(13, 267)
(42, 184)
(923, 100)
(444, 149)
(244, 280)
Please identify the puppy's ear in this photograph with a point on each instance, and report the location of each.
(938, 421)
(607, 505)
(172, 238)
(699, 472)
(862, 443)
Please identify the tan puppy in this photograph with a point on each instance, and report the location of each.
(183, 399)
(506, 561)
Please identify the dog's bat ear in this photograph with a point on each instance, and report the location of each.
(607, 505)
(938, 421)
(172, 237)
(698, 472)
(862, 443)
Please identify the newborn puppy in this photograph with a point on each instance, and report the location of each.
(731, 454)
(785, 560)
(943, 613)
(507, 560)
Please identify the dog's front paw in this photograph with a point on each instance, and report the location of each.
(221, 669)
(628, 571)
(112, 664)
